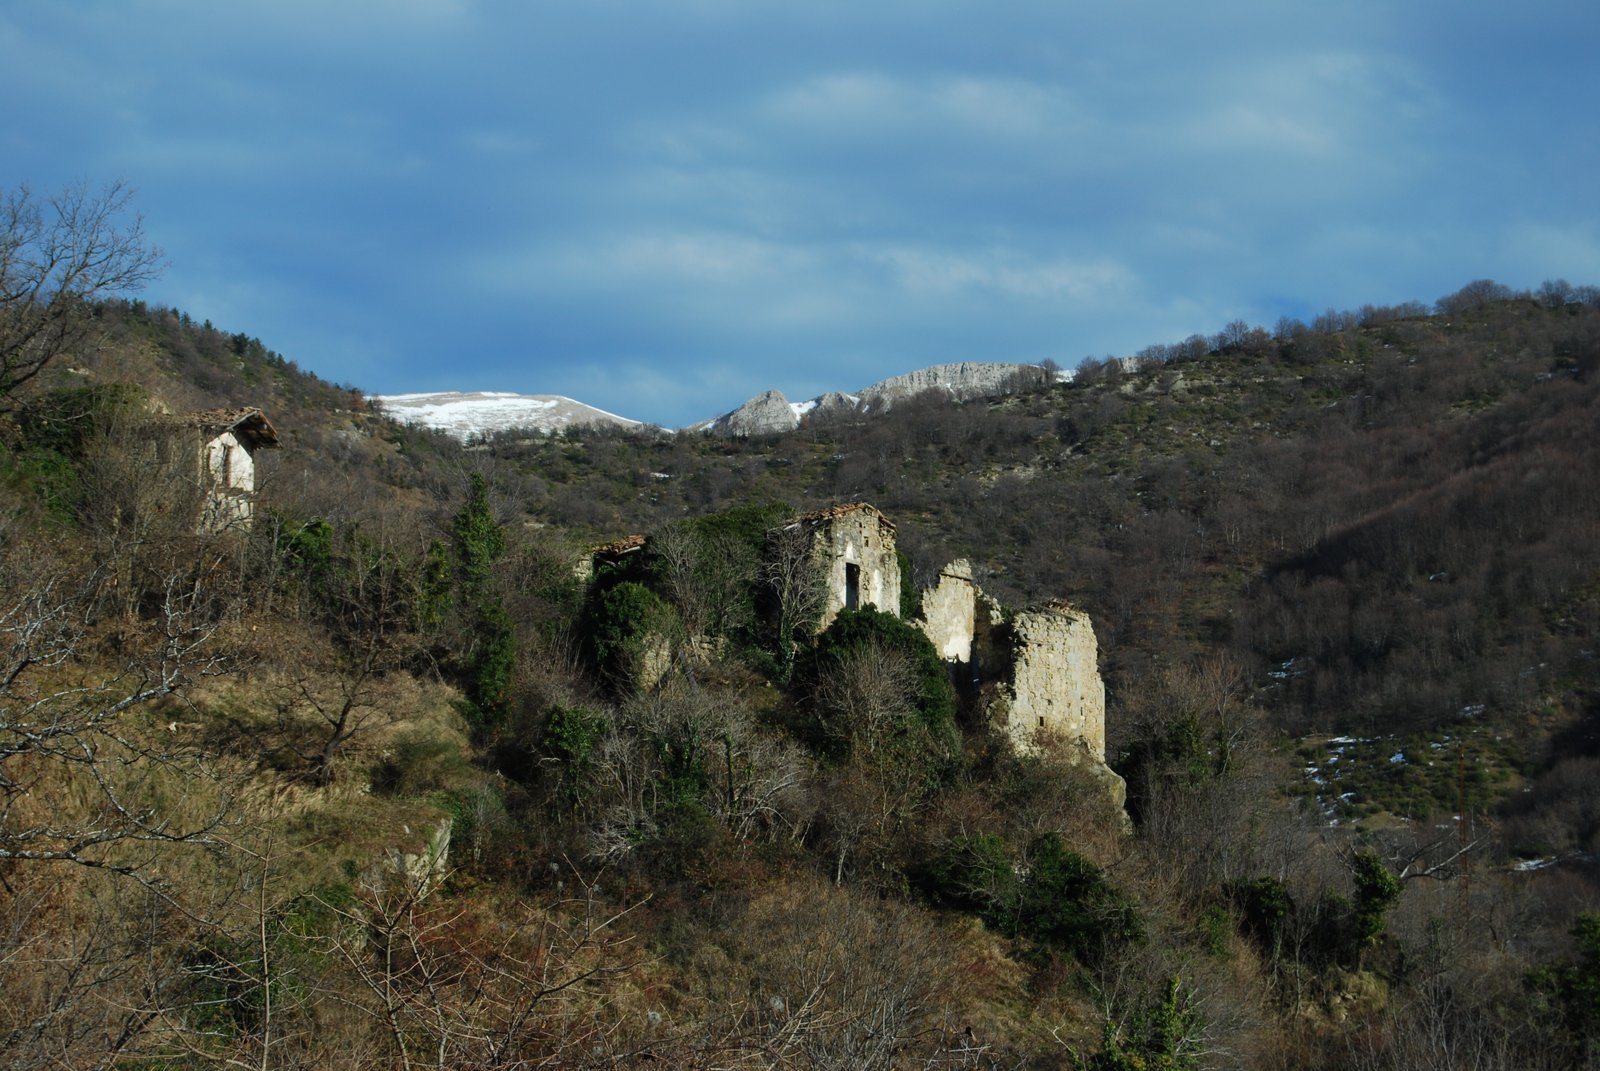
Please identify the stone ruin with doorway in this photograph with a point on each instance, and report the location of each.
(221, 445)
(1034, 675)
(854, 549)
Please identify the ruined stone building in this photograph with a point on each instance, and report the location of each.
(1034, 675)
(959, 619)
(853, 546)
(1037, 672)
(1054, 686)
(613, 554)
(224, 444)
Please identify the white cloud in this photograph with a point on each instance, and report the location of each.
(835, 100)
(972, 274)
(1322, 104)
(992, 108)
(499, 143)
(704, 257)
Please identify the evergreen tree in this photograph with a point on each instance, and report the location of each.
(491, 650)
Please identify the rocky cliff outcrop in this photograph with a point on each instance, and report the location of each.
(420, 867)
(765, 414)
(961, 380)
(771, 412)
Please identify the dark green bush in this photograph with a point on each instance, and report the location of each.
(974, 873)
(862, 633)
(1054, 896)
(618, 628)
(1264, 908)
(1066, 901)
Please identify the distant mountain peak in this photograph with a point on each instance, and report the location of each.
(770, 412)
(766, 413)
(464, 414)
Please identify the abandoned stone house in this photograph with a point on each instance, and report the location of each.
(614, 554)
(853, 546)
(218, 446)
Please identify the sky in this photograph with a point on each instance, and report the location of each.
(664, 207)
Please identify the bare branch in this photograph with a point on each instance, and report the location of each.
(56, 258)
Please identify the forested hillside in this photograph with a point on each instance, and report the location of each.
(1344, 581)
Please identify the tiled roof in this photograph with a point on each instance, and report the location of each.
(247, 421)
(620, 546)
(841, 509)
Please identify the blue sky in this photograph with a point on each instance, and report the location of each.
(663, 208)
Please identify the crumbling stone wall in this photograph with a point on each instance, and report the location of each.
(1036, 676)
(1054, 686)
(961, 621)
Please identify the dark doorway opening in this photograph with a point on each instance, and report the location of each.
(852, 586)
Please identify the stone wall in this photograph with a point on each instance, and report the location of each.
(961, 621)
(1054, 685)
(1036, 677)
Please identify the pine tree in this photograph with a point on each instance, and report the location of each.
(490, 658)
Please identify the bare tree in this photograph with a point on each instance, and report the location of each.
(58, 729)
(449, 985)
(793, 578)
(839, 979)
(56, 256)
(363, 625)
(867, 696)
(92, 832)
(707, 577)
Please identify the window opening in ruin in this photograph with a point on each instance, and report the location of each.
(1041, 723)
(852, 586)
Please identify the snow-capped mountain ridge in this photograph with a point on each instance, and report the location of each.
(468, 413)
(464, 414)
(771, 412)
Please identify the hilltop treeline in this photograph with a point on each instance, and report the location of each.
(684, 831)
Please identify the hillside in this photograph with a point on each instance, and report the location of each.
(1391, 474)
(1344, 585)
